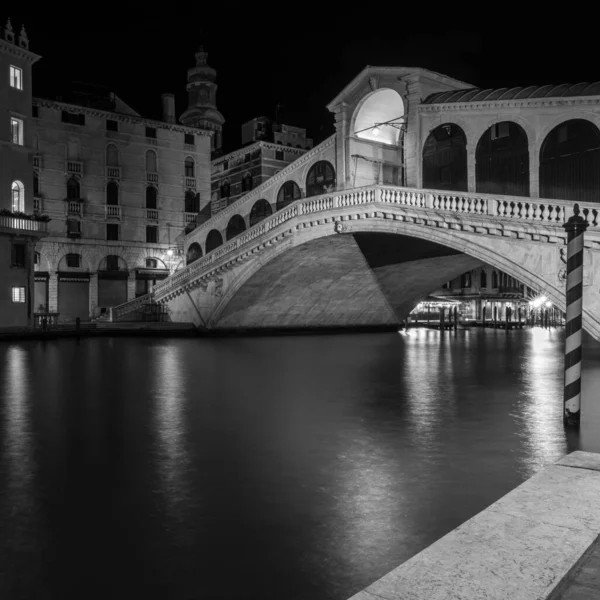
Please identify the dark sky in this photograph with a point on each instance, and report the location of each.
(262, 57)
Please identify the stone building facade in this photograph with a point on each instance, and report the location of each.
(19, 228)
(121, 191)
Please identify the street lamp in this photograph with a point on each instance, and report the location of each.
(170, 252)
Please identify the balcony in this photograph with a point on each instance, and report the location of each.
(152, 177)
(113, 172)
(37, 161)
(190, 218)
(74, 207)
(74, 167)
(37, 204)
(21, 224)
(190, 183)
(152, 214)
(113, 211)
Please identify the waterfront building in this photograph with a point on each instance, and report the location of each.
(19, 227)
(121, 190)
(267, 147)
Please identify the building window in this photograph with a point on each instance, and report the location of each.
(151, 132)
(73, 227)
(247, 182)
(112, 232)
(151, 263)
(112, 193)
(151, 195)
(112, 156)
(247, 158)
(279, 155)
(483, 279)
(189, 139)
(112, 262)
(36, 184)
(19, 255)
(225, 165)
(151, 234)
(18, 197)
(73, 261)
(192, 202)
(16, 129)
(36, 258)
(112, 125)
(151, 162)
(16, 78)
(73, 118)
(189, 167)
(18, 295)
(35, 112)
(73, 189)
(225, 189)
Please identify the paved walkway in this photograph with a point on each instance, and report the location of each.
(538, 542)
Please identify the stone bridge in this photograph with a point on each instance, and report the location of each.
(366, 256)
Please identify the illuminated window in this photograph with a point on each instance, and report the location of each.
(16, 129)
(18, 197)
(18, 295)
(16, 78)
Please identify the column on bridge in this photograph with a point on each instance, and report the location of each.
(53, 292)
(131, 286)
(93, 294)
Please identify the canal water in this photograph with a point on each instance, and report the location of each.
(296, 468)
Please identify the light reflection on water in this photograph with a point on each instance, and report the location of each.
(299, 467)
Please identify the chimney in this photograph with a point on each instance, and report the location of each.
(168, 101)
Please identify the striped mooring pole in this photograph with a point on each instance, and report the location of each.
(575, 228)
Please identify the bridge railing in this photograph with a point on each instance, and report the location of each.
(552, 213)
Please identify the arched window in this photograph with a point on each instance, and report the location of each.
(288, 192)
(261, 210)
(445, 159)
(247, 182)
(36, 184)
(18, 197)
(73, 189)
(112, 156)
(112, 193)
(194, 252)
(494, 279)
(192, 202)
(570, 162)
(151, 165)
(189, 167)
(225, 189)
(235, 226)
(151, 197)
(466, 280)
(483, 279)
(502, 160)
(320, 178)
(213, 240)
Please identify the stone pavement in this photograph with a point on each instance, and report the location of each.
(538, 542)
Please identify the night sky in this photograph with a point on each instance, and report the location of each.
(263, 57)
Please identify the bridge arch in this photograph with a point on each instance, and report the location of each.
(502, 160)
(261, 209)
(194, 252)
(235, 226)
(380, 106)
(570, 162)
(444, 159)
(287, 193)
(214, 239)
(320, 178)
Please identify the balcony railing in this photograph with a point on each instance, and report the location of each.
(152, 177)
(74, 167)
(190, 183)
(74, 207)
(152, 214)
(37, 204)
(190, 218)
(37, 161)
(23, 224)
(113, 172)
(113, 211)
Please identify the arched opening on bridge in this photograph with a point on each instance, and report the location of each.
(502, 160)
(261, 210)
(320, 178)
(288, 192)
(570, 162)
(374, 117)
(194, 252)
(445, 159)
(235, 226)
(213, 240)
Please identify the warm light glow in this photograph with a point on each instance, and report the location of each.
(169, 252)
(375, 131)
(548, 304)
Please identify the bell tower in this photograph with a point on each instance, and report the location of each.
(202, 100)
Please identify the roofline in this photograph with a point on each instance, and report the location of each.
(254, 146)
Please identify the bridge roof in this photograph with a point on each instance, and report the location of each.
(563, 90)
